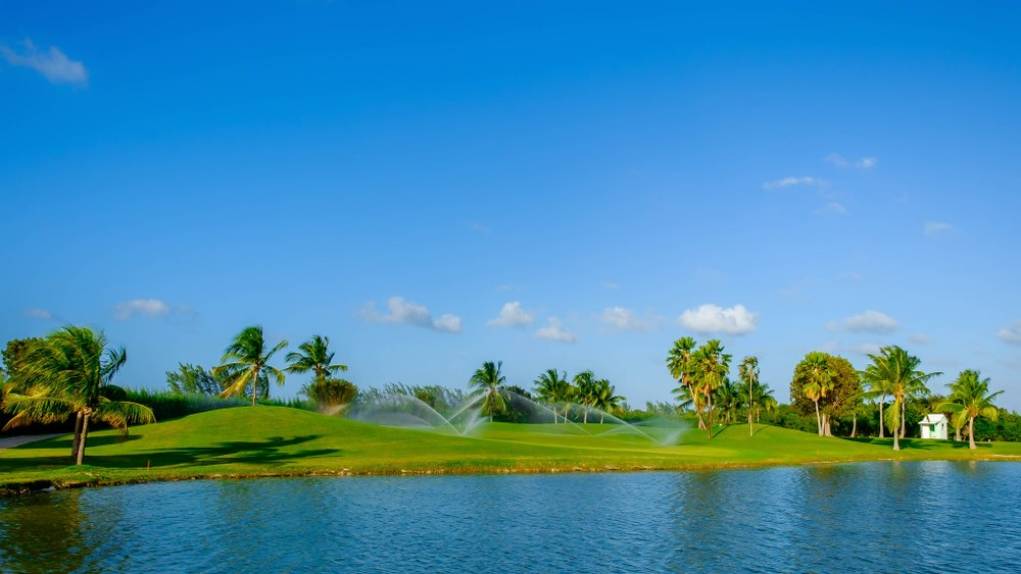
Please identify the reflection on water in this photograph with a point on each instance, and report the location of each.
(891, 517)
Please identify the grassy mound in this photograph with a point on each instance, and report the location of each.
(276, 441)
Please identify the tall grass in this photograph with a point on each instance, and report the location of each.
(168, 405)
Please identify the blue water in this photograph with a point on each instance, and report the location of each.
(877, 517)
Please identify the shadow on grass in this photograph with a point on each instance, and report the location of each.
(273, 451)
(917, 443)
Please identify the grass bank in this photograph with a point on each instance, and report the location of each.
(276, 441)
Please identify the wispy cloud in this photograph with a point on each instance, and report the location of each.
(402, 311)
(791, 181)
(868, 322)
(832, 208)
(555, 331)
(626, 320)
(53, 64)
(936, 228)
(512, 314)
(919, 339)
(709, 318)
(864, 163)
(140, 308)
(1011, 333)
(37, 313)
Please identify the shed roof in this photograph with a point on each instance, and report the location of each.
(933, 418)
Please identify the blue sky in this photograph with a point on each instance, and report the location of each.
(393, 176)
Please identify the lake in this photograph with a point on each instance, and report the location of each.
(875, 517)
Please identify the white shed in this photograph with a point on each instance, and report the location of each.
(934, 426)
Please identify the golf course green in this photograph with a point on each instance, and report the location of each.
(277, 441)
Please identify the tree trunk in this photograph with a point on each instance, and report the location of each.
(255, 386)
(709, 415)
(584, 417)
(601, 418)
(881, 399)
(80, 456)
(751, 429)
(957, 434)
(818, 419)
(826, 425)
(971, 433)
(77, 434)
(854, 424)
(751, 432)
(895, 431)
(903, 418)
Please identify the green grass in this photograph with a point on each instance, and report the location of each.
(276, 441)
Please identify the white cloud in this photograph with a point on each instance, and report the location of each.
(611, 285)
(865, 348)
(837, 160)
(868, 322)
(512, 314)
(36, 313)
(934, 228)
(625, 319)
(919, 339)
(806, 181)
(832, 208)
(554, 331)
(141, 307)
(709, 318)
(400, 310)
(52, 64)
(1011, 334)
(448, 322)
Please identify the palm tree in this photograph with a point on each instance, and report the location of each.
(71, 374)
(679, 363)
(896, 372)
(876, 389)
(585, 391)
(682, 394)
(710, 366)
(748, 371)
(314, 355)
(819, 382)
(727, 399)
(971, 399)
(553, 388)
(605, 398)
(490, 380)
(246, 361)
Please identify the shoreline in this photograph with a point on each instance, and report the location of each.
(33, 486)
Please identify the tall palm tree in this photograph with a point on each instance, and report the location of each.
(876, 388)
(552, 387)
(971, 399)
(605, 398)
(748, 371)
(819, 382)
(727, 399)
(71, 374)
(710, 366)
(246, 361)
(585, 392)
(896, 371)
(684, 398)
(679, 363)
(314, 355)
(490, 381)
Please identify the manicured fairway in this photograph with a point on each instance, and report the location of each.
(271, 441)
